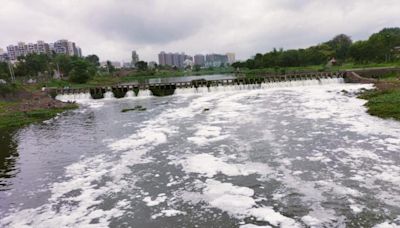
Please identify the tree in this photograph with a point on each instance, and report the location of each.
(196, 67)
(4, 72)
(80, 71)
(141, 65)
(93, 59)
(341, 46)
(63, 63)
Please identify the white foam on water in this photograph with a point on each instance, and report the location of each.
(159, 199)
(74, 97)
(387, 225)
(209, 166)
(253, 226)
(145, 93)
(130, 94)
(168, 213)
(207, 134)
(239, 202)
(108, 95)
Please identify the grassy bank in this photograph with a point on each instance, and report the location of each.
(384, 101)
(320, 68)
(12, 118)
(22, 105)
(385, 104)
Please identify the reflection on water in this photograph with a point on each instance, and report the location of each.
(8, 158)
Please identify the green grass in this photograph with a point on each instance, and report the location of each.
(392, 76)
(384, 104)
(314, 68)
(10, 119)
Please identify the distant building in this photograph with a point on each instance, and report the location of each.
(231, 57)
(173, 59)
(41, 47)
(135, 58)
(67, 48)
(199, 60)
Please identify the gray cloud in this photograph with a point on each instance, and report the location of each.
(113, 28)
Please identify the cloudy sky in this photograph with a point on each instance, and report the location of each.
(112, 28)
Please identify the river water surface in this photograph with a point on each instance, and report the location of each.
(300, 156)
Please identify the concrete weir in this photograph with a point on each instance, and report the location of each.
(165, 89)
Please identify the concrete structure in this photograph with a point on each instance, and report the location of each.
(199, 60)
(231, 57)
(135, 58)
(169, 88)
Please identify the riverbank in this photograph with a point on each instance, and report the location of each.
(22, 107)
(384, 100)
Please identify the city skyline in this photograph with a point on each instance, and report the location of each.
(62, 46)
(242, 27)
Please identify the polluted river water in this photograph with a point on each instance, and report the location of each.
(289, 154)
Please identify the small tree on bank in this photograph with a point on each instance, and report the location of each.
(80, 72)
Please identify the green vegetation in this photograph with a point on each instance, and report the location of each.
(9, 118)
(6, 89)
(77, 70)
(384, 101)
(385, 104)
(379, 48)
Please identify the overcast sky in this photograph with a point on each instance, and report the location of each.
(113, 28)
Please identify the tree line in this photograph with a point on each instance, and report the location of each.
(379, 48)
(76, 69)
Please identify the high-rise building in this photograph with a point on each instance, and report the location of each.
(162, 58)
(135, 58)
(231, 57)
(199, 60)
(67, 48)
(169, 59)
(172, 59)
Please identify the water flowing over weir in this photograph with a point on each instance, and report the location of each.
(209, 89)
(298, 153)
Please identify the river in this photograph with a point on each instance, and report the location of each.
(304, 155)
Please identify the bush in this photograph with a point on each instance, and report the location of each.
(6, 89)
(80, 72)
